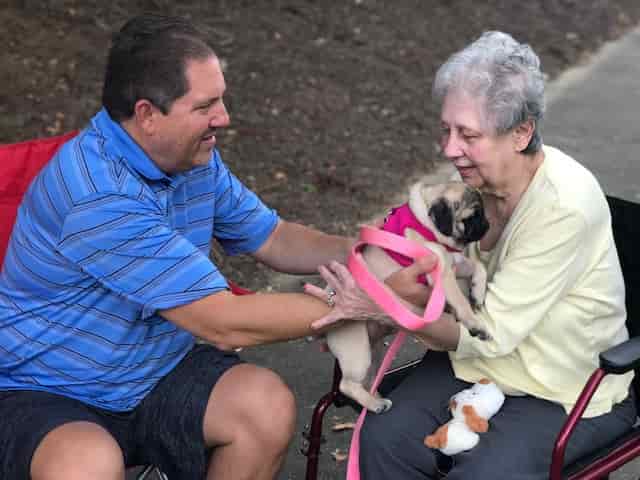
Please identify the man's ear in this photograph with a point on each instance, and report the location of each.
(145, 114)
(523, 133)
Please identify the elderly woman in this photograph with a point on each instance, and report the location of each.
(555, 295)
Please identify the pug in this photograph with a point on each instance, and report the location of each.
(445, 218)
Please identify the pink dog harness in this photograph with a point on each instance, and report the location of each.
(392, 306)
(397, 221)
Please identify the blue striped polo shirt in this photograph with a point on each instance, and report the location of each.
(102, 241)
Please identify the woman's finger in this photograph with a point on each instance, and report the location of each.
(343, 274)
(329, 277)
(315, 291)
(325, 321)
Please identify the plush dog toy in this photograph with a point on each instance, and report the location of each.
(471, 410)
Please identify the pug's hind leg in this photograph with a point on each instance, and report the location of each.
(373, 403)
(349, 343)
(377, 334)
(356, 387)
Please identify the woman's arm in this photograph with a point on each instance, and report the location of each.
(353, 303)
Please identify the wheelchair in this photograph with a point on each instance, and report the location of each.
(20, 162)
(625, 218)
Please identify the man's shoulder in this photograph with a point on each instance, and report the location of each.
(87, 166)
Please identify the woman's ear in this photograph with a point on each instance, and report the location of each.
(522, 134)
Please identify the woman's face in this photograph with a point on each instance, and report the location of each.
(483, 159)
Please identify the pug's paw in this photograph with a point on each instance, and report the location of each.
(384, 405)
(480, 333)
(475, 303)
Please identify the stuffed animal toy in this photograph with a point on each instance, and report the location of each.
(471, 410)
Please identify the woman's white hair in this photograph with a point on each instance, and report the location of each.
(505, 75)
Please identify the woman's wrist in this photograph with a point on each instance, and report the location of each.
(443, 334)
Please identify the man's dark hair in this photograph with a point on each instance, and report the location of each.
(147, 60)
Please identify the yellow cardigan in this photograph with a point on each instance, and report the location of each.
(555, 296)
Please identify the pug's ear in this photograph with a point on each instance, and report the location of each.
(442, 217)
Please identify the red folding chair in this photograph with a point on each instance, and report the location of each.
(19, 164)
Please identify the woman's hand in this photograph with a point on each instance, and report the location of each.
(405, 283)
(349, 301)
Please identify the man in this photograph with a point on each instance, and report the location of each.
(108, 280)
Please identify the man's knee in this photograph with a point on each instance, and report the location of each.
(254, 401)
(77, 451)
(274, 406)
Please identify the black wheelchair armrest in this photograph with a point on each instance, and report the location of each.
(621, 358)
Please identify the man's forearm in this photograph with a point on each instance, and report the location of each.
(246, 320)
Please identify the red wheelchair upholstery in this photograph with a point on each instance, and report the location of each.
(620, 359)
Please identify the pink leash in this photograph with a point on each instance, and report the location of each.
(392, 306)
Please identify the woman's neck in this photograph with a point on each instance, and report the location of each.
(503, 199)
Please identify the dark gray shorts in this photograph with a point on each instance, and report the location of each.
(165, 429)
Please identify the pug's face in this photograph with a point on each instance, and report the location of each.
(457, 211)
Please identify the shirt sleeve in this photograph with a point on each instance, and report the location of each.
(544, 260)
(126, 245)
(242, 221)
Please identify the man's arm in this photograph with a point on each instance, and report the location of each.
(295, 248)
(231, 321)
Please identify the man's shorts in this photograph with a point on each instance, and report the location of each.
(165, 429)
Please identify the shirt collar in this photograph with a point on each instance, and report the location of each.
(127, 148)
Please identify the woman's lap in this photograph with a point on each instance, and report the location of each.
(518, 444)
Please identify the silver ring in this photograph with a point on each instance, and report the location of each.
(330, 300)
